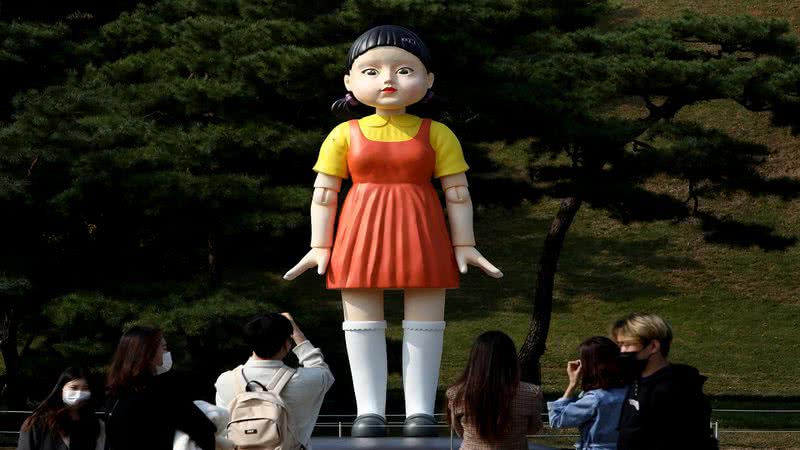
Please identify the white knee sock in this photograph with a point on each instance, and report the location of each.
(366, 351)
(422, 355)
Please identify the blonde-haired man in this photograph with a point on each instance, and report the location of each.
(665, 407)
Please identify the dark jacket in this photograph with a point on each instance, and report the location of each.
(673, 413)
(148, 419)
(37, 438)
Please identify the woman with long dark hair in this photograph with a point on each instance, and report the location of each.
(489, 406)
(597, 410)
(145, 405)
(66, 419)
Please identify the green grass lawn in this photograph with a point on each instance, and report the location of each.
(631, 10)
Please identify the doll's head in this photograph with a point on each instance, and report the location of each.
(388, 68)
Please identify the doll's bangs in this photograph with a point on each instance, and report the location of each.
(389, 36)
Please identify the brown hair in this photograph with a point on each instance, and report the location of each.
(488, 385)
(600, 365)
(132, 365)
(54, 417)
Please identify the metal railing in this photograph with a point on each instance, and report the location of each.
(341, 425)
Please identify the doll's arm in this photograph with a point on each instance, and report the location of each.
(323, 210)
(323, 217)
(459, 211)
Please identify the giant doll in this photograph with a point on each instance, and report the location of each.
(391, 232)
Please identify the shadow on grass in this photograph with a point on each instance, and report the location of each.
(603, 268)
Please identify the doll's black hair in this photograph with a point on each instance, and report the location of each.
(382, 36)
(389, 36)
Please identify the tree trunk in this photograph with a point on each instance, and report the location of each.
(9, 326)
(534, 346)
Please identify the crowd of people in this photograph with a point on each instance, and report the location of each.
(623, 393)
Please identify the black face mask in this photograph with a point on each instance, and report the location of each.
(632, 366)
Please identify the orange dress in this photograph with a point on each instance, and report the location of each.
(391, 232)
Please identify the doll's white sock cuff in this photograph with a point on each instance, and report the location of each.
(423, 325)
(353, 325)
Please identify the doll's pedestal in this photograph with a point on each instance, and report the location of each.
(394, 443)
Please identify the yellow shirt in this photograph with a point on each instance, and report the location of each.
(333, 153)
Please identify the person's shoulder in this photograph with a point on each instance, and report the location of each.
(227, 376)
(613, 394)
(529, 387)
(452, 391)
(684, 371)
(224, 378)
(686, 378)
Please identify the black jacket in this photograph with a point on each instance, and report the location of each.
(672, 413)
(149, 418)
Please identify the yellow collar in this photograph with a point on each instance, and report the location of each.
(403, 120)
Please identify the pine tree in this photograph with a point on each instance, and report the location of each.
(625, 160)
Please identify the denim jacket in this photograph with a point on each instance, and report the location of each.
(595, 413)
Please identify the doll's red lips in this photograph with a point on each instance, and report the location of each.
(389, 89)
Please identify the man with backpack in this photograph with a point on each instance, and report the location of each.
(665, 407)
(273, 406)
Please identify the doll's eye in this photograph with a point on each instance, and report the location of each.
(369, 72)
(405, 71)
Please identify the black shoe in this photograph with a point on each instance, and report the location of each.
(369, 425)
(420, 425)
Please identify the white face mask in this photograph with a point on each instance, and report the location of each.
(72, 397)
(166, 364)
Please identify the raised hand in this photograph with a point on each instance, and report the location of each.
(574, 370)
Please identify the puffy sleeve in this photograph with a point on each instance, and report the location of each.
(572, 413)
(332, 158)
(449, 155)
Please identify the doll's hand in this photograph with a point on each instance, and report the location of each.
(315, 257)
(470, 255)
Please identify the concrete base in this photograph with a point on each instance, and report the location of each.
(334, 443)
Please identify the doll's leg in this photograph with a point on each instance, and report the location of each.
(423, 333)
(365, 337)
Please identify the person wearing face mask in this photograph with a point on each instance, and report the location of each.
(145, 405)
(66, 419)
(665, 407)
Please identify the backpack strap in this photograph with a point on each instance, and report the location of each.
(239, 380)
(281, 379)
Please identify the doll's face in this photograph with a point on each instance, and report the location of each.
(388, 78)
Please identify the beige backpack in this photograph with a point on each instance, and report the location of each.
(259, 418)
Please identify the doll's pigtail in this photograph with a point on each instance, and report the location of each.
(345, 106)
